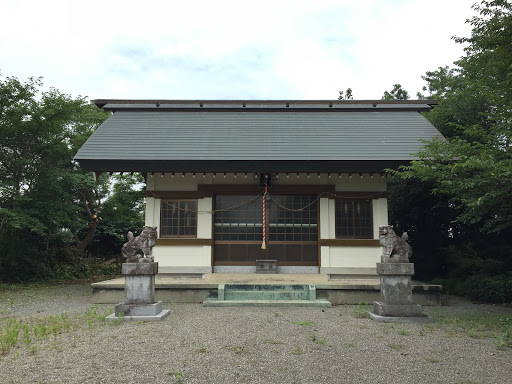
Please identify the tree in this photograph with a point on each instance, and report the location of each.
(123, 211)
(347, 95)
(397, 93)
(474, 164)
(44, 195)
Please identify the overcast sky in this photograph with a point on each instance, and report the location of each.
(230, 49)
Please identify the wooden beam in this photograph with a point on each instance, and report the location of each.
(178, 194)
(349, 243)
(183, 241)
(359, 195)
(254, 188)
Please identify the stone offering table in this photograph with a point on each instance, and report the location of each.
(139, 294)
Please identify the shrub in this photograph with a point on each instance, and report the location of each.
(490, 289)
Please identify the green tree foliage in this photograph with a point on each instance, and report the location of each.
(45, 198)
(397, 93)
(347, 95)
(469, 171)
(123, 211)
(474, 164)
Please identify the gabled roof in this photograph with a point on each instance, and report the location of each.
(259, 136)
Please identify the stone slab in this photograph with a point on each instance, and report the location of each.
(396, 289)
(157, 317)
(411, 310)
(404, 269)
(402, 320)
(138, 309)
(266, 303)
(139, 289)
(139, 268)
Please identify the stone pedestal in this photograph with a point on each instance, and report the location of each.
(266, 266)
(139, 294)
(396, 304)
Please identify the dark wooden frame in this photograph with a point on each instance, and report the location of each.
(349, 243)
(251, 189)
(353, 223)
(178, 236)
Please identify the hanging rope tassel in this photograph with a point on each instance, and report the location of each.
(263, 244)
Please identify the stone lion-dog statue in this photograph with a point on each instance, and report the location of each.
(394, 247)
(140, 245)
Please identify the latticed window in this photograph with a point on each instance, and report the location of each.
(178, 218)
(238, 218)
(354, 219)
(293, 218)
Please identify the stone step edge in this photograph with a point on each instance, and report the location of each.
(266, 303)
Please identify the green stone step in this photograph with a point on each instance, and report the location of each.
(266, 292)
(266, 295)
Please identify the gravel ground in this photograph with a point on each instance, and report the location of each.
(244, 345)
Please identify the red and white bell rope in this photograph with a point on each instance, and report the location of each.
(263, 244)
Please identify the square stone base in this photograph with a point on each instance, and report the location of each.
(157, 317)
(397, 319)
(397, 310)
(138, 309)
(135, 312)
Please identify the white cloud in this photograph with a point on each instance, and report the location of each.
(230, 49)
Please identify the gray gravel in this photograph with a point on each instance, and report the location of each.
(245, 345)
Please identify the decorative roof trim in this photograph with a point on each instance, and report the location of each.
(115, 105)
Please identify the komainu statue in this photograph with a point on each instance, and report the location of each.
(394, 247)
(140, 245)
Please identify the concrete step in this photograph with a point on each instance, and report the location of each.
(266, 303)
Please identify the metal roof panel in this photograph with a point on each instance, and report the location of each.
(250, 135)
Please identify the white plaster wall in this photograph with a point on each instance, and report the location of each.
(325, 224)
(153, 213)
(353, 257)
(343, 257)
(183, 256)
(204, 218)
(380, 215)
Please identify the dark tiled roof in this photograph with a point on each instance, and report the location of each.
(262, 131)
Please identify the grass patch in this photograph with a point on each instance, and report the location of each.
(362, 311)
(480, 325)
(297, 351)
(237, 349)
(31, 334)
(397, 347)
(316, 340)
(306, 323)
(433, 360)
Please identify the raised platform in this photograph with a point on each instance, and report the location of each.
(190, 290)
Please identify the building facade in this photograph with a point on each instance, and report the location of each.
(232, 182)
